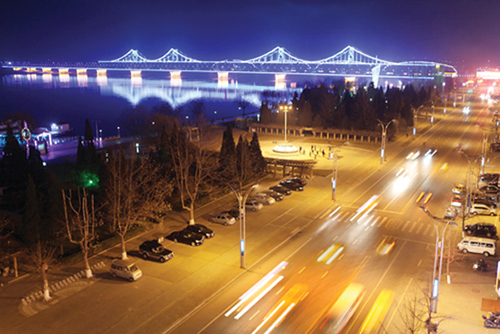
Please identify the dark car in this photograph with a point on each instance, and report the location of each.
(152, 249)
(186, 237)
(277, 196)
(485, 201)
(297, 180)
(481, 229)
(489, 189)
(235, 213)
(292, 185)
(281, 190)
(201, 229)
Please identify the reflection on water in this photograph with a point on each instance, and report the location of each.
(137, 89)
(73, 97)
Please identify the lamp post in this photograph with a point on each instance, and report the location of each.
(415, 112)
(439, 244)
(471, 162)
(118, 128)
(432, 114)
(384, 135)
(335, 157)
(242, 196)
(285, 108)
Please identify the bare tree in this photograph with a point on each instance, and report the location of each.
(416, 314)
(133, 190)
(242, 104)
(80, 222)
(194, 166)
(43, 256)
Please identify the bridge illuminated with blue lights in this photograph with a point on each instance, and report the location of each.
(350, 62)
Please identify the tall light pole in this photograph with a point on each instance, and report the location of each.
(335, 157)
(384, 135)
(118, 128)
(432, 114)
(415, 112)
(242, 196)
(285, 108)
(439, 244)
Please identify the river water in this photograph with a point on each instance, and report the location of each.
(71, 98)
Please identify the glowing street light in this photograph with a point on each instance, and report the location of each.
(285, 108)
(384, 135)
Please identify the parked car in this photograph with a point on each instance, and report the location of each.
(297, 180)
(490, 189)
(186, 237)
(235, 213)
(201, 229)
(277, 196)
(481, 229)
(223, 219)
(456, 201)
(292, 185)
(484, 196)
(263, 198)
(459, 189)
(253, 205)
(482, 209)
(281, 190)
(486, 202)
(155, 250)
(487, 177)
(125, 269)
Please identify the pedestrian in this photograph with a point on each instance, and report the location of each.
(323, 153)
(300, 148)
(310, 153)
(407, 135)
(312, 147)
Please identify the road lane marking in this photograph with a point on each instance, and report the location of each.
(382, 222)
(253, 316)
(406, 225)
(413, 227)
(427, 229)
(419, 228)
(324, 274)
(301, 270)
(375, 221)
(393, 224)
(399, 304)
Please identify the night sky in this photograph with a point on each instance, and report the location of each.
(464, 33)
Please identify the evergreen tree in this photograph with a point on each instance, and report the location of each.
(256, 159)
(35, 166)
(227, 155)
(14, 162)
(305, 115)
(243, 164)
(53, 208)
(266, 116)
(29, 231)
(88, 161)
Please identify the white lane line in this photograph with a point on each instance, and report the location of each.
(382, 222)
(406, 225)
(426, 229)
(419, 228)
(413, 227)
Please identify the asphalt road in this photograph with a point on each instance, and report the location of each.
(199, 290)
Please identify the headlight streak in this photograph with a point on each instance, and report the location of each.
(257, 286)
(330, 260)
(268, 317)
(280, 318)
(334, 212)
(364, 206)
(259, 297)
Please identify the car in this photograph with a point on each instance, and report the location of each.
(264, 199)
(459, 189)
(152, 249)
(456, 201)
(481, 229)
(451, 213)
(482, 209)
(386, 245)
(297, 180)
(253, 205)
(224, 219)
(489, 189)
(292, 185)
(186, 237)
(335, 251)
(235, 213)
(489, 178)
(277, 196)
(430, 152)
(486, 202)
(484, 196)
(281, 190)
(413, 156)
(201, 229)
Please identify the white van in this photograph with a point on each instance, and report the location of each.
(478, 245)
(125, 269)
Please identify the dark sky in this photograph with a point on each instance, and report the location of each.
(465, 33)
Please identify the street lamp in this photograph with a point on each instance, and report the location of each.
(285, 108)
(335, 157)
(242, 196)
(439, 243)
(118, 128)
(415, 112)
(384, 135)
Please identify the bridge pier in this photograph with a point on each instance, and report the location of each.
(63, 71)
(81, 71)
(280, 82)
(222, 79)
(175, 78)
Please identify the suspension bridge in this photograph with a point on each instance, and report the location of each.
(349, 62)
